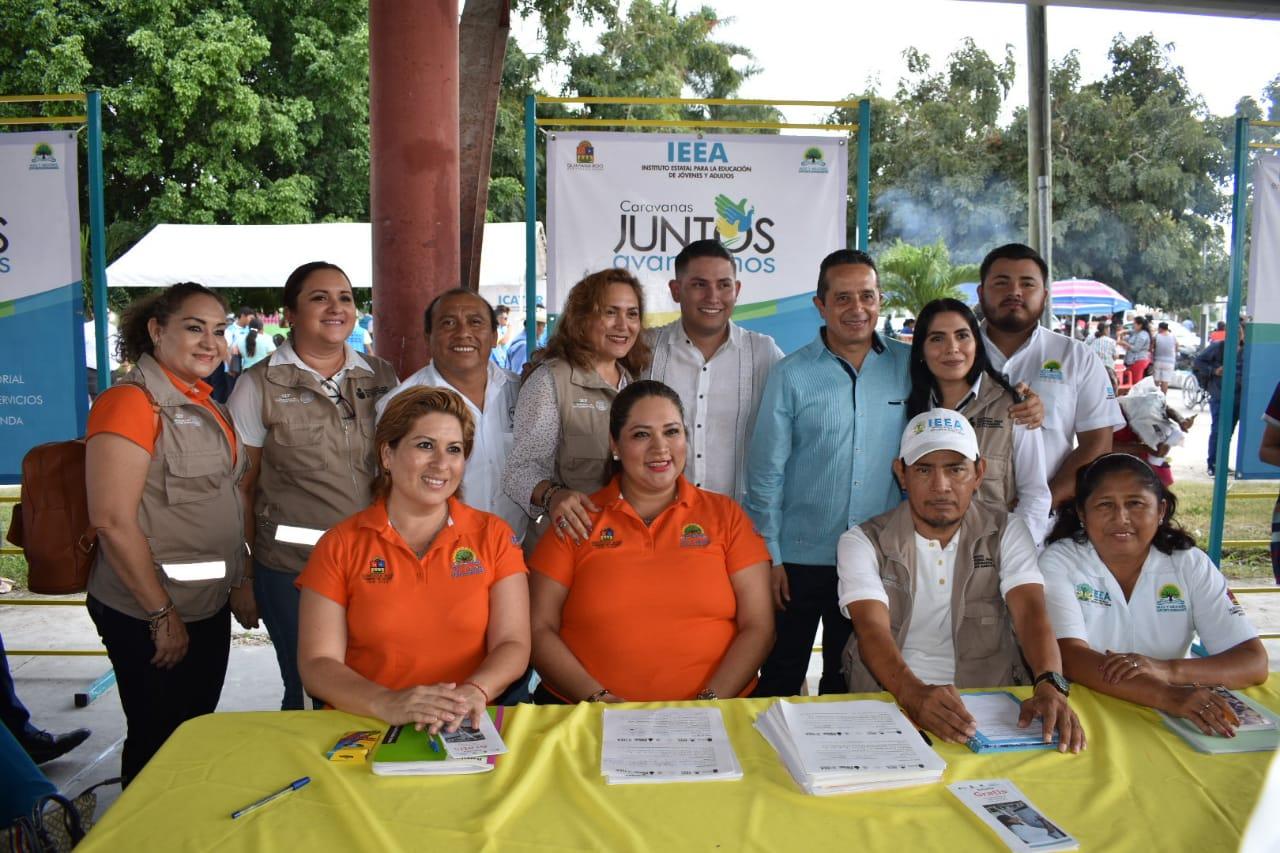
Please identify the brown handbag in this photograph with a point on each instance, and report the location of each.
(51, 524)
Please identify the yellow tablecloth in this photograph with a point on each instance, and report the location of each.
(1137, 787)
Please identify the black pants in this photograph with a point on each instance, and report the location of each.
(813, 597)
(156, 701)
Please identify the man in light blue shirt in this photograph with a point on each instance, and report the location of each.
(819, 463)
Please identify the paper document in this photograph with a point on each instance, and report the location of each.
(468, 742)
(667, 745)
(1021, 826)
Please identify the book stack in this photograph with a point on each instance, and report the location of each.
(845, 747)
(406, 751)
(667, 745)
(1257, 732)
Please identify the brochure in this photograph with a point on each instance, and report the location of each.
(405, 751)
(1021, 826)
(1253, 735)
(996, 713)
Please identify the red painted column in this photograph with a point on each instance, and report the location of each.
(413, 168)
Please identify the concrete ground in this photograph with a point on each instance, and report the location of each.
(47, 684)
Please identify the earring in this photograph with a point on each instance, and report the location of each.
(615, 457)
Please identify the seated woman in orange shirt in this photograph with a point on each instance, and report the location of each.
(416, 610)
(669, 597)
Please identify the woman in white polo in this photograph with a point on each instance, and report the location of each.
(1127, 591)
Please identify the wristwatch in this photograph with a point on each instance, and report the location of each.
(1055, 678)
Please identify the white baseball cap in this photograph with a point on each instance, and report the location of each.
(938, 429)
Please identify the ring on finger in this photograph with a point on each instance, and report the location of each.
(562, 522)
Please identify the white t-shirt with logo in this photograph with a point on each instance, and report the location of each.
(1072, 384)
(1177, 596)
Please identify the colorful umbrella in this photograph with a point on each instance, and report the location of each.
(1085, 296)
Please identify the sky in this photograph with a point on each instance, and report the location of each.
(825, 49)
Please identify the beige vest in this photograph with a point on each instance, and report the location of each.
(190, 510)
(317, 466)
(989, 415)
(582, 455)
(987, 654)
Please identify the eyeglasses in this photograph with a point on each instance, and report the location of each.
(335, 394)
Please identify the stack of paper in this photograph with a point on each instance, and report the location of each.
(1000, 805)
(842, 747)
(668, 745)
(406, 751)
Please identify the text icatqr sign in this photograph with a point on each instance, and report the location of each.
(42, 373)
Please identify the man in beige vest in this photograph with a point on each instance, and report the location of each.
(943, 590)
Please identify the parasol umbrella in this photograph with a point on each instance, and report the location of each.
(1085, 296)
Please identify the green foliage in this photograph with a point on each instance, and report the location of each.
(913, 276)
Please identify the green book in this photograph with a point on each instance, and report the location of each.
(405, 751)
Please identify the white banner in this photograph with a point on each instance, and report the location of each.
(39, 213)
(1264, 248)
(634, 200)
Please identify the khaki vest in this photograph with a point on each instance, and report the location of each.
(582, 456)
(317, 466)
(988, 413)
(987, 654)
(190, 510)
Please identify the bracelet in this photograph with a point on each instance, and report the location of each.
(156, 614)
(706, 693)
(598, 695)
(547, 493)
(481, 689)
(156, 617)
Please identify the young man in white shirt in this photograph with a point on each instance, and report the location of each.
(938, 587)
(717, 367)
(461, 329)
(1080, 405)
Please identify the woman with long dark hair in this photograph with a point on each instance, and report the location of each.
(950, 369)
(1127, 591)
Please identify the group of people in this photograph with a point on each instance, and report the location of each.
(646, 514)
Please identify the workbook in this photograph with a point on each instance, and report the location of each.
(1021, 826)
(845, 747)
(667, 745)
(405, 751)
(996, 713)
(1258, 730)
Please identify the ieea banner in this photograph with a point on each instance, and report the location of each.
(42, 372)
(634, 200)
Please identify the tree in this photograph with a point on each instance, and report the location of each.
(913, 276)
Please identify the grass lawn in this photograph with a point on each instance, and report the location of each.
(1249, 519)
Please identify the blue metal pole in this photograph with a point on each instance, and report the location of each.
(530, 224)
(864, 173)
(98, 239)
(1227, 400)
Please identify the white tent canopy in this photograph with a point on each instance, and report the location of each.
(264, 255)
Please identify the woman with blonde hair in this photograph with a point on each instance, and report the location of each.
(416, 610)
(561, 451)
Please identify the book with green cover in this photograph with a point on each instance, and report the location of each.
(405, 751)
(1254, 737)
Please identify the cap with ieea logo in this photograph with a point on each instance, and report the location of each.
(938, 429)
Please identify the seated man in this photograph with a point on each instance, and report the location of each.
(938, 587)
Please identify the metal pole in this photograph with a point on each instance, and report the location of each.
(1039, 153)
(98, 239)
(1227, 401)
(864, 173)
(530, 224)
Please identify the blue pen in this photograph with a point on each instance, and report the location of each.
(434, 740)
(287, 789)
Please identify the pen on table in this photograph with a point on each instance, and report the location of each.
(434, 740)
(287, 789)
(925, 736)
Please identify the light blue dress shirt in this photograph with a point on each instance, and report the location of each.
(820, 459)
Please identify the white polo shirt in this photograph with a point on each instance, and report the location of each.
(245, 403)
(1072, 383)
(929, 648)
(494, 437)
(1177, 596)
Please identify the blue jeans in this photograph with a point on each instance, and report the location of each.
(16, 717)
(277, 599)
(1215, 409)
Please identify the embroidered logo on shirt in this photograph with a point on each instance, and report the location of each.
(1111, 392)
(1235, 609)
(606, 539)
(1089, 595)
(1052, 370)
(377, 571)
(465, 563)
(601, 406)
(982, 561)
(693, 536)
(987, 423)
(185, 420)
(582, 403)
(1169, 599)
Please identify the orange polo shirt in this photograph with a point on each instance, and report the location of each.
(412, 621)
(651, 610)
(124, 410)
